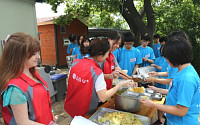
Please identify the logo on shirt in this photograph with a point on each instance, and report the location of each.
(148, 55)
(112, 67)
(158, 48)
(79, 79)
(133, 60)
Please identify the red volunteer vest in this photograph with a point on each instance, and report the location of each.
(81, 97)
(109, 67)
(38, 100)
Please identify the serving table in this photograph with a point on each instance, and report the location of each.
(144, 110)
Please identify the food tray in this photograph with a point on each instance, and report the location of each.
(144, 71)
(102, 111)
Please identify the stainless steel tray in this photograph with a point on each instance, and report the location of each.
(102, 111)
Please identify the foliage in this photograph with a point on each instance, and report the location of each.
(185, 16)
(107, 21)
(100, 13)
(108, 13)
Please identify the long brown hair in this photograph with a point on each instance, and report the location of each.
(18, 48)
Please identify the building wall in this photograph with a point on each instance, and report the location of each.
(48, 48)
(17, 16)
(75, 27)
(48, 42)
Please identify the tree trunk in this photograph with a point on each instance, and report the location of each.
(134, 19)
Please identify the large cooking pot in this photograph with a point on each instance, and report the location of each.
(128, 104)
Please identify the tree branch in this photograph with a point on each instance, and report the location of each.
(139, 24)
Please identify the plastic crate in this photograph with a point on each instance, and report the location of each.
(59, 83)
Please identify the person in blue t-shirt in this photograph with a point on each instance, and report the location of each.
(183, 98)
(161, 65)
(72, 45)
(128, 57)
(76, 50)
(156, 45)
(146, 51)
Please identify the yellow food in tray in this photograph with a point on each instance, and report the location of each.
(137, 89)
(120, 118)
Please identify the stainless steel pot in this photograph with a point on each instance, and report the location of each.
(126, 103)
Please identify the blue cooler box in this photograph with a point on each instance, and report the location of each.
(59, 83)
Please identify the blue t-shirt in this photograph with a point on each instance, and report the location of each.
(156, 50)
(71, 46)
(77, 51)
(161, 61)
(171, 71)
(146, 52)
(127, 59)
(80, 56)
(185, 91)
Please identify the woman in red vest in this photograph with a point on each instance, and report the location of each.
(86, 84)
(25, 97)
(110, 66)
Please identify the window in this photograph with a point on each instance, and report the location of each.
(62, 29)
(66, 41)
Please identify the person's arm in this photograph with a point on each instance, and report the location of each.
(156, 66)
(112, 75)
(134, 70)
(115, 74)
(150, 61)
(178, 110)
(20, 113)
(106, 94)
(159, 90)
(158, 80)
(164, 74)
(71, 51)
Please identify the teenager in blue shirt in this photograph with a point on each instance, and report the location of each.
(128, 57)
(171, 72)
(156, 45)
(162, 83)
(146, 51)
(161, 65)
(72, 45)
(183, 98)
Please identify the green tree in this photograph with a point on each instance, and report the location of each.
(105, 8)
(183, 15)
